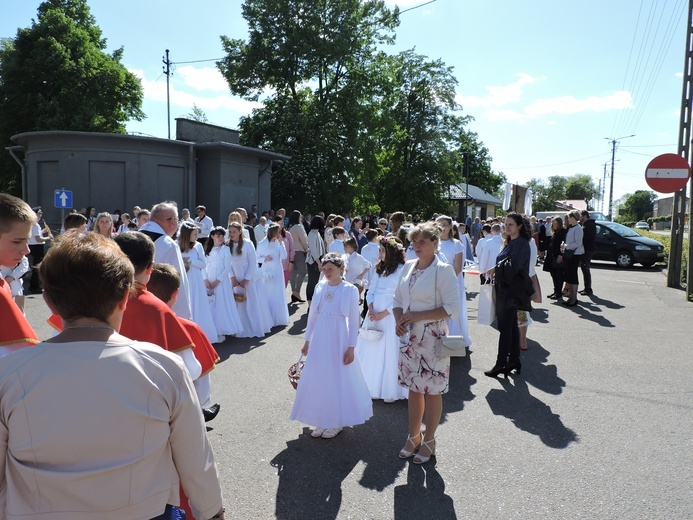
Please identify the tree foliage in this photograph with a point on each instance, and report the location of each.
(57, 75)
(363, 128)
(637, 206)
(556, 188)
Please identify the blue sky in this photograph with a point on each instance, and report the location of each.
(546, 81)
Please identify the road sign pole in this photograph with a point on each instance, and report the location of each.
(679, 208)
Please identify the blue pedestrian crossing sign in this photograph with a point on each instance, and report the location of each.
(63, 199)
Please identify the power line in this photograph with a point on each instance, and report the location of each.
(417, 6)
(195, 61)
(549, 165)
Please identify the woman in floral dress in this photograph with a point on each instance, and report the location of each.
(425, 297)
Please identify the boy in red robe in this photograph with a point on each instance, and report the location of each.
(16, 221)
(164, 283)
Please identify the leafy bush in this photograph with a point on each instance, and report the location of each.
(666, 241)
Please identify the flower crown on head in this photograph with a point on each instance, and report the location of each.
(392, 242)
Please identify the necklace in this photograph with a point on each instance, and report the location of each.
(329, 295)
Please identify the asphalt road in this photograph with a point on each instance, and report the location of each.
(597, 426)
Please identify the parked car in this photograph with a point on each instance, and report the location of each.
(642, 225)
(624, 246)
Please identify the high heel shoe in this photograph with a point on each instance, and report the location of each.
(404, 453)
(498, 369)
(569, 304)
(423, 459)
(516, 366)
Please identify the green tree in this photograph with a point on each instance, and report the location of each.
(363, 128)
(547, 192)
(580, 187)
(638, 206)
(197, 114)
(57, 75)
(314, 55)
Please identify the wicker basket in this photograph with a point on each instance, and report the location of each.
(295, 372)
(239, 296)
(369, 334)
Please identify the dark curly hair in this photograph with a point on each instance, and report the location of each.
(394, 256)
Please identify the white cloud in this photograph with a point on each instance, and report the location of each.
(205, 78)
(156, 91)
(514, 94)
(679, 74)
(570, 105)
(500, 96)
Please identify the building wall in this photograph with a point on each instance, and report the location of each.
(107, 171)
(112, 171)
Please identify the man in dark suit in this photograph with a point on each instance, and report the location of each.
(589, 236)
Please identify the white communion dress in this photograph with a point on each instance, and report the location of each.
(380, 359)
(331, 394)
(253, 312)
(273, 275)
(458, 326)
(223, 306)
(196, 264)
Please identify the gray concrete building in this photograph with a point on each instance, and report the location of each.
(114, 171)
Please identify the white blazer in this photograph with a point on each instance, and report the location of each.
(422, 296)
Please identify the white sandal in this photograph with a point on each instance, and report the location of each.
(404, 453)
(422, 459)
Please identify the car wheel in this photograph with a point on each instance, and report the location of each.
(647, 264)
(624, 259)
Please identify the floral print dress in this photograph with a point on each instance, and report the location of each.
(420, 369)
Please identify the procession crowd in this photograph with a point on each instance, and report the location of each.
(387, 308)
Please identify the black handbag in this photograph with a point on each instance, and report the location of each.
(568, 254)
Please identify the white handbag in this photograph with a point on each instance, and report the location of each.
(369, 334)
(453, 346)
(487, 305)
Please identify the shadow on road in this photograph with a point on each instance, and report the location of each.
(460, 387)
(529, 414)
(311, 471)
(541, 376)
(423, 496)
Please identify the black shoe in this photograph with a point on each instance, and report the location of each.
(495, 371)
(553, 296)
(516, 366)
(211, 412)
(586, 292)
(568, 304)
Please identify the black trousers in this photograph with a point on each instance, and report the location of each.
(509, 339)
(557, 277)
(37, 253)
(313, 278)
(585, 260)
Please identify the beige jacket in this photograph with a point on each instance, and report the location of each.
(97, 430)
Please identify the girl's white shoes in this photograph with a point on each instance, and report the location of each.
(325, 433)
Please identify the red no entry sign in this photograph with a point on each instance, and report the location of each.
(667, 173)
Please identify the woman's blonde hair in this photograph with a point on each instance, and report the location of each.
(235, 216)
(428, 230)
(96, 227)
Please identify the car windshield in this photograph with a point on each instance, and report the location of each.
(621, 229)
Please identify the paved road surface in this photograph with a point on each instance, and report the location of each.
(597, 426)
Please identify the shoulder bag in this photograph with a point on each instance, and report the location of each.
(448, 346)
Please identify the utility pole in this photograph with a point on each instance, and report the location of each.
(604, 187)
(167, 71)
(678, 214)
(613, 160)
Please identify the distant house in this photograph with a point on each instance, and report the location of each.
(469, 200)
(204, 165)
